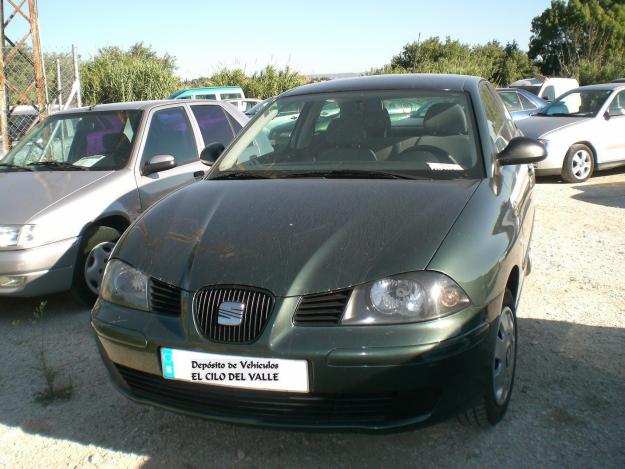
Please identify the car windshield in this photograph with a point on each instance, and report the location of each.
(96, 141)
(365, 134)
(581, 103)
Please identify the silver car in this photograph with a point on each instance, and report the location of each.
(584, 131)
(78, 179)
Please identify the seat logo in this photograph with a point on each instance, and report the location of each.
(230, 313)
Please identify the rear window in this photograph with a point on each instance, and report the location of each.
(213, 124)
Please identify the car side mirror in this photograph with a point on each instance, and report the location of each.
(210, 154)
(158, 163)
(615, 112)
(522, 150)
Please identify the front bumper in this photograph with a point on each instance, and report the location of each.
(42, 270)
(368, 377)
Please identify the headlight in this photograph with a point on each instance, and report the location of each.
(414, 297)
(16, 236)
(124, 285)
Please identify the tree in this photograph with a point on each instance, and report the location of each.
(579, 35)
(497, 63)
(136, 74)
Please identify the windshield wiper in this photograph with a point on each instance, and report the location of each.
(14, 166)
(351, 174)
(57, 165)
(238, 175)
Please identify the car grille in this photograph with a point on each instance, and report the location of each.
(258, 306)
(164, 298)
(279, 407)
(322, 310)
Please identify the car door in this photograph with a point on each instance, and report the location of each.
(518, 180)
(613, 129)
(169, 132)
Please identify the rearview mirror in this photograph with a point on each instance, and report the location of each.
(210, 154)
(159, 163)
(522, 150)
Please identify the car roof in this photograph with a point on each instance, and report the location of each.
(603, 86)
(205, 89)
(136, 105)
(389, 82)
(539, 81)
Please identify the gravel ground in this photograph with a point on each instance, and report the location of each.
(567, 409)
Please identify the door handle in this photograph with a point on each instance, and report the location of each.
(199, 174)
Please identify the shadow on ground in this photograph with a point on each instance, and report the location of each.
(567, 407)
(609, 194)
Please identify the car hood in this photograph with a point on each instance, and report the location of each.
(539, 126)
(27, 193)
(293, 237)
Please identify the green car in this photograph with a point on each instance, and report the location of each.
(356, 275)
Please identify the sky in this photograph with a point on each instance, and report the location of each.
(312, 36)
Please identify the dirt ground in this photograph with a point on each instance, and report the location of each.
(567, 409)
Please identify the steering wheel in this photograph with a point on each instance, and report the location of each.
(439, 154)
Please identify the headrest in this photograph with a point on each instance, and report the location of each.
(115, 142)
(377, 122)
(343, 131)
(445, 119)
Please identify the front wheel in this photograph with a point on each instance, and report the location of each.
(492, 405)
(95, 250)
(579, 164)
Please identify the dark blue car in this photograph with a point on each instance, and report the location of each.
(521, 103)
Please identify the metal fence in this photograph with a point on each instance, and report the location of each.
(62, 91)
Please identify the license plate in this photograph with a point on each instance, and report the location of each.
(267, 374)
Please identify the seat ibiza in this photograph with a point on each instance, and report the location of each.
(344, 269)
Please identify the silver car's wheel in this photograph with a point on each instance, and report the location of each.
(95, 263)
(581, 164)
(578, 164)
(504, 356)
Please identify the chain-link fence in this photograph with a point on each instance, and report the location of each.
(62, 90)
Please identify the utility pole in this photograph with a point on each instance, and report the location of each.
(22, 79)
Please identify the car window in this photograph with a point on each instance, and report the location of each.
(618, 103)
(527, 103)
(225, 96)
(206, 96)
(511, 100)
(213, 124)
(578, 103)
(495, 117)
(329, 111)
(234, 124)
(93, 140)
(170, 133)
(359, 131)
(549, 93)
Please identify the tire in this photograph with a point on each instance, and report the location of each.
(98, 242)
(490, 408)
(579, 164)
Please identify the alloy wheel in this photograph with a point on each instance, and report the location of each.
(505, 356)
(95, 264)
(581, 164)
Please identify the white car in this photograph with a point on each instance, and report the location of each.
(245, 104)
(584, 131)
(547, 88)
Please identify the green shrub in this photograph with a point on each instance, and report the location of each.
(114, 75)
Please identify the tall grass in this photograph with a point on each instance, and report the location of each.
(122, 77)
